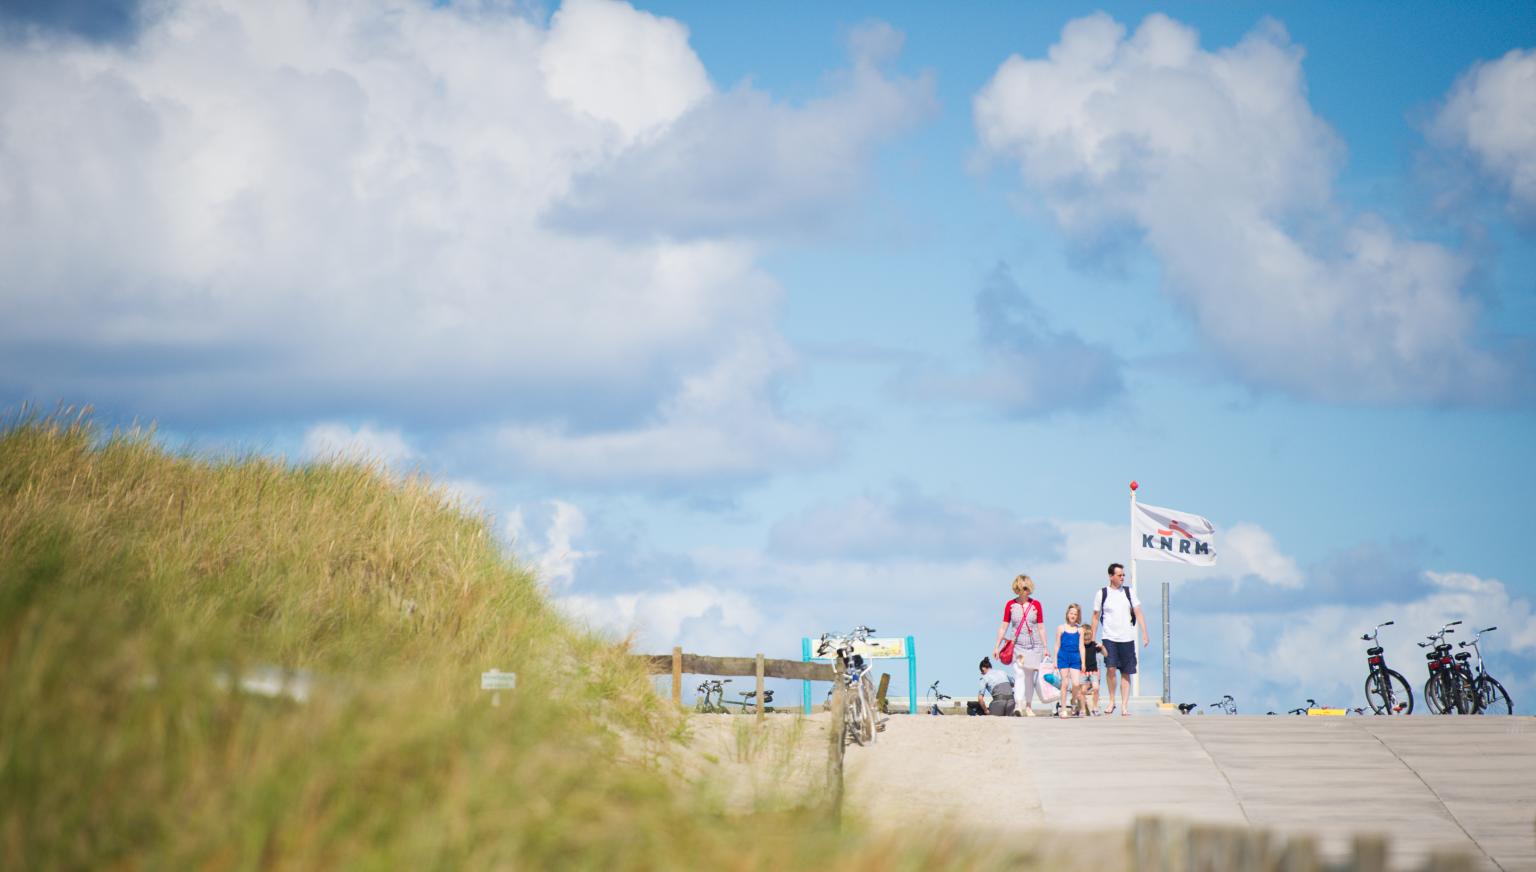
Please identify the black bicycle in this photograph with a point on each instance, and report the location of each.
(1492, 698)
(1450, 688)
(1226, 704)
(1386, 691)
(938, 699)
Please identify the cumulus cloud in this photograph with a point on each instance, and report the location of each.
(910, 524)
(1316, 651)
(1217, 162)
(292, 211)
(554, 560)
(1490, 114)
(1031, 368)
(365, 444)
(721, 425)
(740, 162)
(701, 618)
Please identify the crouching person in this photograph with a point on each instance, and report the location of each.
(996, 694)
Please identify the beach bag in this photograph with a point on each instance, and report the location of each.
(1005, 650)
(1048, 691)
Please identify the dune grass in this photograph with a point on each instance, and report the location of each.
(137, 586)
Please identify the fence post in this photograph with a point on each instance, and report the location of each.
(1300, 855)
(1370, 854)
(835, 750)
(677, 676)
(1449, 862)
(759, 696)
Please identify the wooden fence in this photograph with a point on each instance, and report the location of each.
(697, 664)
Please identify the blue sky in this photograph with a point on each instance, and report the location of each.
(752, 322)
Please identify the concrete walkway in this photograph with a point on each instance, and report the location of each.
(1424, 782)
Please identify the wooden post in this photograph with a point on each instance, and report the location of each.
(1440, 861)
(1148, 835)
(1300, 855)
(759, 697)
(835, 749)
(677, 676)
(885, 684)
(1370, 854)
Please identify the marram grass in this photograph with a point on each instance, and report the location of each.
(138, 586)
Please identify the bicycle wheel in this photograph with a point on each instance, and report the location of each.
(868, 727)
(1388, 693)
(1494, 698)
(853, 718)
(1466, 692)
(1436, 695)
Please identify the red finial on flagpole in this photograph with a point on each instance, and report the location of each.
(1133, 485)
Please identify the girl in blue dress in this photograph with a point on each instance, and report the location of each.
(1069, 660)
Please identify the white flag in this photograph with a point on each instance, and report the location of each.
(1166, 534)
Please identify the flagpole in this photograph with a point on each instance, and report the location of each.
(1135, 639)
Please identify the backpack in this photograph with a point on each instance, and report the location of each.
(1104, 594)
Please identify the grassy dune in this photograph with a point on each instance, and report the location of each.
(137, 586)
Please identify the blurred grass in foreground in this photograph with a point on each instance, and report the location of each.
(134, 583)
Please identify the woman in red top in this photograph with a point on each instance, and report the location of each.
(1022, 619)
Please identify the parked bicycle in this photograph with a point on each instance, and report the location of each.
(859, 722)
(1311, 704)
(1492, 699)
(1450, 688)
(1226, 705)
(1386, 690)
(747, 705)
(711, 697)
(938, 699)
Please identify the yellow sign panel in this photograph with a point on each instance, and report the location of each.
(1326, 712)
(894, 647)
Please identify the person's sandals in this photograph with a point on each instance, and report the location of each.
(1110, 711)
(1029, 712)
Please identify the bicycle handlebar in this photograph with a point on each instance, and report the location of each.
(1454, 624)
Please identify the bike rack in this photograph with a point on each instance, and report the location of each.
(884, 648)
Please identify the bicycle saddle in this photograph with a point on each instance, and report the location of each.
(1373, 651)
(1464, 655)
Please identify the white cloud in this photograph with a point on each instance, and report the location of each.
(701, 618)
(364, 444)
(1249, 550)
(297, 210)
(621, 65)
(1491, 113)
(556, 560)
(740, 162)
(1316, 652)
(722, 424)
(1216, 160)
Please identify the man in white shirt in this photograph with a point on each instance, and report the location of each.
(1116, 615)
(995, 683)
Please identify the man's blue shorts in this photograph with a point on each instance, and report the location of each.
(1121, 656)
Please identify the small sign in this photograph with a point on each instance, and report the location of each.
(498, 680)
(1326, 712)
